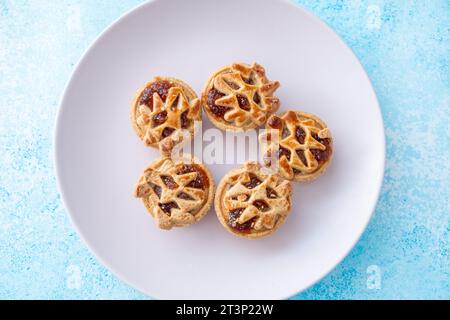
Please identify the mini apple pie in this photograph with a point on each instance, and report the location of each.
(252, 204)
(176, 193)
(305, 146)
(240, 97)
(161, 109)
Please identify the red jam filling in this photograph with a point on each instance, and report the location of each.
(161, 87)
(200, 181)
(275, 122)
(284, 152)
(300, 134)
(167, 207)
(167, 132)
(271, 194)
(184, 120)
(169, 182)
(185, 169)
(257, 98)
(185, 196)
(261, 205)
(175, 103)
(244, 104)
(159, 118)
(232, 221)
(249, 81)
(232, 85)
(322, 155)
(217, 111)
(254, 182)
(157, 190)
(301, 155)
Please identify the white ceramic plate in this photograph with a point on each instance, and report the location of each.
(99, 158)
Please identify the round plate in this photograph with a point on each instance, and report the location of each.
(99, 158)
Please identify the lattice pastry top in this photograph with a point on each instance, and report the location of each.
(252, 204)
(161, 109)
(304, 148)
(240, 97)
(176, 193)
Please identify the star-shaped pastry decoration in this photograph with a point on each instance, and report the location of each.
(168, 190)
(264, 198)
(166, 120)
(248, 95)
(298, 138)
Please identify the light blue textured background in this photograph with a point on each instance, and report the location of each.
(405, 48)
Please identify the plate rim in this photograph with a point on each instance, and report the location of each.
(57, 140)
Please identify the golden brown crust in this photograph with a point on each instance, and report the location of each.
(245, 93)
(305, 147)
(176, 193)
(181, 106)
(262, 201)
